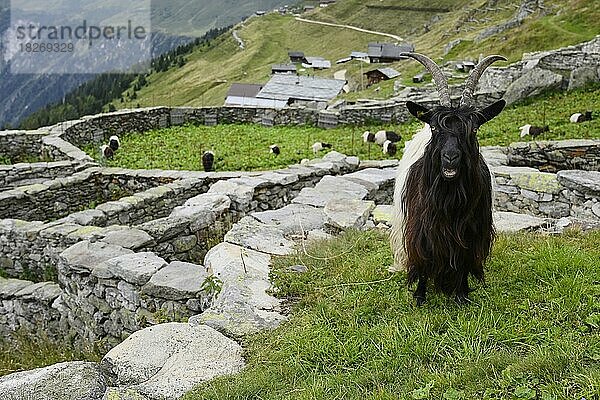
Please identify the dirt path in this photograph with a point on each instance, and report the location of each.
(398, 38)
(341, 74)
(239, 40)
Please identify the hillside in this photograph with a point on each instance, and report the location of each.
(173, 23)
(205, 79)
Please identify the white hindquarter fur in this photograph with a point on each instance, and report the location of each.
(413, 151)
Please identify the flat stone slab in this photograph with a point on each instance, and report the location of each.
(377, 176)
(494, 156)
(255, 235)
(41, 291)
(293, 218)
(237, 192)
(135, 268)
(513, 222)
(167, 360)
(348, 213)
(165, 228)
(383, 213)
(537, 181)
(177, 281)
(85, 255)
(243, 306)
(377, 163)
(587, 182)
(216, 202)
(88, 217)
(329, 188)
(113, 393)
(65, 381)
(9, 287)
(507, 171)
(130, 238)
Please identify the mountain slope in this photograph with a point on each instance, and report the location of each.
(173, 22)
(205, 79)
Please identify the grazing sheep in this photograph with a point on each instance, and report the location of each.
(274, 149)
(208, 161)
(382, 136)
(533, 131)
(390, 148)
(107, 152)
(442, 221)
(579, 117)
(114, 142)
(368, 137)
(318, 146)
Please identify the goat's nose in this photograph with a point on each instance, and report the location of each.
(450, 157)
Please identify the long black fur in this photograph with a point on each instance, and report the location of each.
(449, 230)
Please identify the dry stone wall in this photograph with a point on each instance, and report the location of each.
(552, 156)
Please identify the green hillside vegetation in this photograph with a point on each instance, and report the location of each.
(209, 71)
(531, 332)
(246, 147)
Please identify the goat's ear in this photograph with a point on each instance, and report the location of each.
(422, 113)
(491, 111)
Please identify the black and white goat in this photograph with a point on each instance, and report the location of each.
(390, 148)
(107, 152)
(274, 149)
(368, 137)
(442, 226)
(382, 136)
(318, 146)
(581, 117)
(208, 161)
(114, 143)
(532, 130)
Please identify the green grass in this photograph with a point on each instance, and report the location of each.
(27, 352)
(237, 147)
(552, 109)
(532, 332)
(246, 147)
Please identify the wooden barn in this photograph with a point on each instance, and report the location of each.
(375, 76)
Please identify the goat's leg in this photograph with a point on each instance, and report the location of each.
(462, 294)
(419, 294)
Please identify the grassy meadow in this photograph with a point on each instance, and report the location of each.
(246, 147)
(531, 332)
(26, 352)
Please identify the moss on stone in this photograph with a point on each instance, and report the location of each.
(537, 182)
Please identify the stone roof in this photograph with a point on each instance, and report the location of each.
(389, 50)
(284, 87)
(244, 89)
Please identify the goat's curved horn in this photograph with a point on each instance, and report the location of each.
(438, 76)
(467, 94)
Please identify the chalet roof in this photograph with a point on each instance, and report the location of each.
(283, 67)
(285, 87)
(389, 50)
(359, 54)
(389, 73)
(244, 89)
(296, 54)
(316, 62)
